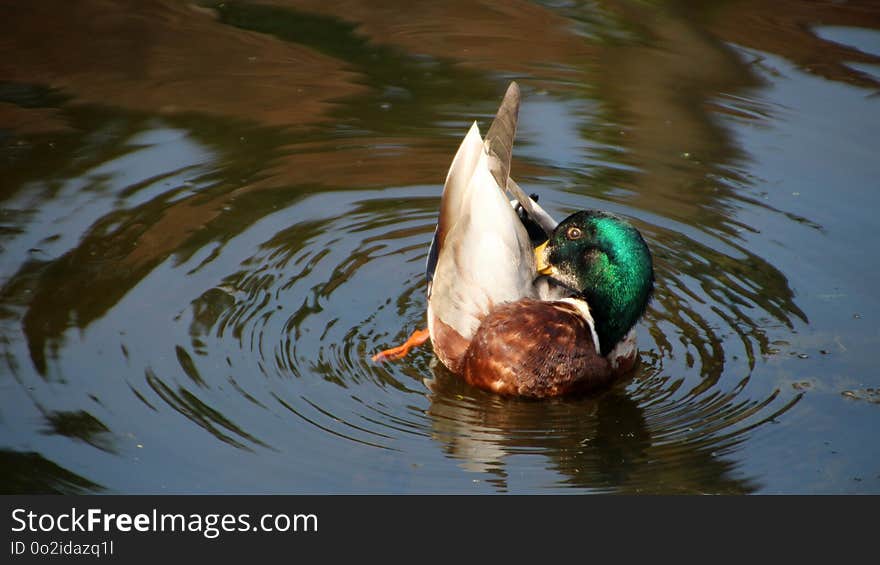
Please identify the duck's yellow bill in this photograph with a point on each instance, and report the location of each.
(541, 264)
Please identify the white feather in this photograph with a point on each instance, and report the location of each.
(485, 257)
(624, 349)
(584, 309)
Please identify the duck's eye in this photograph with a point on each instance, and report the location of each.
(574, 233)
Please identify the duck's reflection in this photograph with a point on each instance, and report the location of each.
(600, 442)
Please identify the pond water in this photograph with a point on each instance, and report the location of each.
(212, 214)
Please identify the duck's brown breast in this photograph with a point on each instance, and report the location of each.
(535, 348)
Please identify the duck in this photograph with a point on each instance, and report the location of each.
(517, 303)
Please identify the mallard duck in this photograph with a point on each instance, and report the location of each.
(535, 316)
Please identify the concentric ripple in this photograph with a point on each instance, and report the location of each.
(295, 311)
(338, 276)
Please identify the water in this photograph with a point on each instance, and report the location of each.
(212, 215)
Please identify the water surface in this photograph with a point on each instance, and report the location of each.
(212, 214)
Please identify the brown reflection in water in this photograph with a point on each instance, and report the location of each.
(143, 56)
(786, 28)
(511, 37)
(354, 163)
(167, 57)
(31, 121)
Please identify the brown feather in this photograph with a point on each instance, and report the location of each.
(448, 344)
(535, 348)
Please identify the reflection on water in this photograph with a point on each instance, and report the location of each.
(622, 441)
(32, 474)
(213, 214)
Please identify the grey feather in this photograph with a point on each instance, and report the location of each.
(499, 138)
(499, 145)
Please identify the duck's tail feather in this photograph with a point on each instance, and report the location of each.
(499, 147)
(499, 138)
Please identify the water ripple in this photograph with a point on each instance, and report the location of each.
(345, 278)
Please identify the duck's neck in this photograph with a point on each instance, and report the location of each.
(618, 301)
(611, 322)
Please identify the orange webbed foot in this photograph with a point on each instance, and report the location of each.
(417, 338)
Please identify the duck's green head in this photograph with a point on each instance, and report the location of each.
(603, 259)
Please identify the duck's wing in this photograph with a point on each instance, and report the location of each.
(483, 254)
